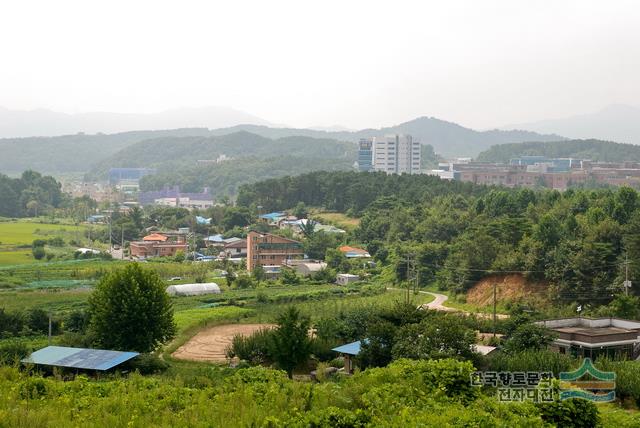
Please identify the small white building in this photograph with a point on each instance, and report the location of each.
(346, 278)
(306, 267)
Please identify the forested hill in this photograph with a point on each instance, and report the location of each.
(577, 241)
(597, 150)
(252, 158)
(73, 153)
(172, 152)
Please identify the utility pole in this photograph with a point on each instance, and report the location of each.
(495, 286)
(410, 276)
(194, 239)
(49, 328)
(408, 281)
(110, 236)
(122, 242)
(627, 283)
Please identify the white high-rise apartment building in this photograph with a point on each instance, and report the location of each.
(396, 154)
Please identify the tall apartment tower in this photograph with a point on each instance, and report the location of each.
(365, 154)
(397, 154)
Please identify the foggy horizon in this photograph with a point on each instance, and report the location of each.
(358, 65)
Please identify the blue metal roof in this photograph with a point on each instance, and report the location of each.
(349, 349)
(273, 215)
(79, 358)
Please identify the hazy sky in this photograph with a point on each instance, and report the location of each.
(354, 63)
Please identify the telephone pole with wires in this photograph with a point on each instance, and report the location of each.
(627, 283)
(412, 276)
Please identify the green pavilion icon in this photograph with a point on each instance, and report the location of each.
(589, 383)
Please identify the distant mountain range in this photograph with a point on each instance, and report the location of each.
(620, 123)
(447, 138)
(81, 153)
(41, 122)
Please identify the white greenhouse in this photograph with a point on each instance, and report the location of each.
(193, 289)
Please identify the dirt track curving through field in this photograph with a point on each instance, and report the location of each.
(211, 344)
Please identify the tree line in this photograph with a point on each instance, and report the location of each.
(30, 194)
(596, 150)
(580, 242)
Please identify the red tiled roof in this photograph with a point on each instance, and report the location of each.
(155, 237)
(347, 249)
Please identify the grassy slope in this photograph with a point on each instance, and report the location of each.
(338, 219)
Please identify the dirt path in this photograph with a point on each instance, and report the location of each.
(211, 344)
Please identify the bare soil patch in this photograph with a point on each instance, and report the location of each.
(513, 288)
(211, 344)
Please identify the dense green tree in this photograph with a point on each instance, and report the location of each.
(627, 307)
(290, 340)
(316, 245)
(236, 217)
(529, 336)
(130, 310)
(289, 277)
(440, 336)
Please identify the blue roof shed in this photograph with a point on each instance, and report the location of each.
(79, 358)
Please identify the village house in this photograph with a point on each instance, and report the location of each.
(235, 248)
(166, 244)
(595, 337)
(353, 252)
(306, 267)
(265, 249)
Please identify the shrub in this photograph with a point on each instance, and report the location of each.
(38, 253)
(627, 377)
(38, 243)
(262, 297)
(254, 348)
(56, 242)
(11, 323)
(77, 321)
(571, 413)
(529, 337)
(33, 387)
(245, 281)
(38, 321)
(334, 417)
(12, 351)
(536, 361)
(147, 364)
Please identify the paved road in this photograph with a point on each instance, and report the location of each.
(437, 304)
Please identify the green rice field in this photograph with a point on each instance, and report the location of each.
(16, 237)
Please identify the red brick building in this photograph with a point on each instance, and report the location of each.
(159, 245)
(265, 249)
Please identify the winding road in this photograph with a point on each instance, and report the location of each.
(437, 304)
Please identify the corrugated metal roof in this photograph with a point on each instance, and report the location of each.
(79, 358)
